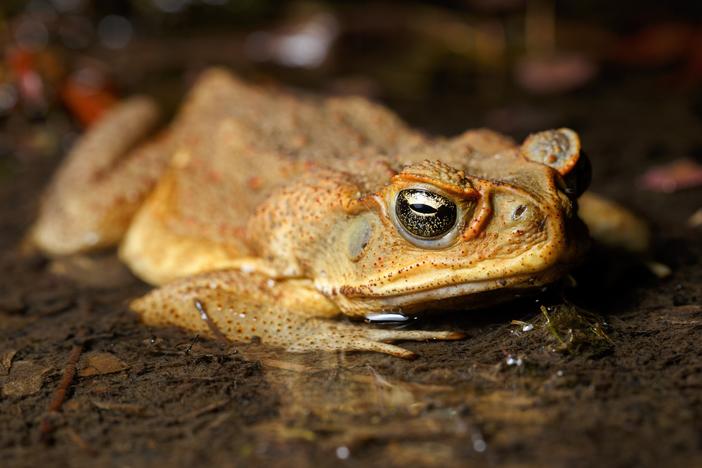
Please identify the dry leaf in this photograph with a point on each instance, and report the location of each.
(554, 73)
(99, 363)
(677, 175)
(128, 408)
(6, 361)
(26, 378)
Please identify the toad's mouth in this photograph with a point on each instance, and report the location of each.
(433, 292)
(463, 294)
(471, 291)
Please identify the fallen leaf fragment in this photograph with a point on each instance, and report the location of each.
(6, 361)
(129, 408)
(99, 363)
(660, 270)
(554, 73)
(677, 175)
(26, 378)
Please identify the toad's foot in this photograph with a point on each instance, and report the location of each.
(288, 314)
(326, 335)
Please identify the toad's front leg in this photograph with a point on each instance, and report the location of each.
(289, 314)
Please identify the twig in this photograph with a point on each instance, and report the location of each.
(214, 329)
(214, 406)
(79, 441)
(46, 428)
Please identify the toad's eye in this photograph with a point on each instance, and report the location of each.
(425, 214)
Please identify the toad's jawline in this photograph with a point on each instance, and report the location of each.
(518, 283)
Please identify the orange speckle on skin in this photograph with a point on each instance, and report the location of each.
(214, 176)
(254, 182)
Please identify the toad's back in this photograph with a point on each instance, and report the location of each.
(180, 203)
(235, 143)
(228, 148)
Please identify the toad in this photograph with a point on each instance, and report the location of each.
(259, 213)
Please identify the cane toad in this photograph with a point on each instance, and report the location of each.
(262, 213)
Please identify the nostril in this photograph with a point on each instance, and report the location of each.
(519, 212)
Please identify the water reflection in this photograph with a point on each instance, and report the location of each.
(419, 413)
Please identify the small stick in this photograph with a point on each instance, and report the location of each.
(46, 428)
(214, 329)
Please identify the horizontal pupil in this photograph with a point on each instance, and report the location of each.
(422, 208)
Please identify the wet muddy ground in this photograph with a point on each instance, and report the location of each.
(615, 382)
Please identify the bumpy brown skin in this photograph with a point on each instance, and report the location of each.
(276, 213)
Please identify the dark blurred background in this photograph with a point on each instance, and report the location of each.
(55, 52)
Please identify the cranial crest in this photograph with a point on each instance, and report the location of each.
(441, 175)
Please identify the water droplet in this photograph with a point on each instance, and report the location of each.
(479, 444)
(343, 452)
(514, 361)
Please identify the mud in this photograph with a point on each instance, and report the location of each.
(614, 382)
